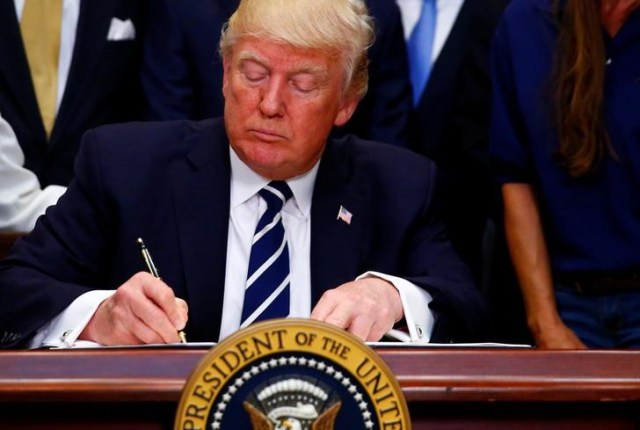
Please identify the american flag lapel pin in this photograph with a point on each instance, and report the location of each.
(344, 215)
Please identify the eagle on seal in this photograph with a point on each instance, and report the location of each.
(325, 421)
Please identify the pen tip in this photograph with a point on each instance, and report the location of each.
(140, 241)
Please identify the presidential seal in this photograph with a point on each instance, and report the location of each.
(292, 374)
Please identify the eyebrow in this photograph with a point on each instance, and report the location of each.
(250, 56)
(313, 69)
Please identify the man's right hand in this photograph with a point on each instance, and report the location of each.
(142, 310)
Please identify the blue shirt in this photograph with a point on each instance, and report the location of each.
(591, 223)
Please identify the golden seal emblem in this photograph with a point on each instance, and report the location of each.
(292, 374)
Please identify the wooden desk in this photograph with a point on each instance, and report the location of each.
(445, 388)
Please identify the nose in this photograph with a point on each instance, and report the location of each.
(271, 98)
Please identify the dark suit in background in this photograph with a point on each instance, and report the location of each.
(450, 125)
(169, 183)
(102, 85)
(182, 70)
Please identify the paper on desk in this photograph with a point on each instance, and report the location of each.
(83, 344)
(445, 345)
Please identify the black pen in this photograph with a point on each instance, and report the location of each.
(154, 271)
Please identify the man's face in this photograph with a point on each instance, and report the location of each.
(280, 105)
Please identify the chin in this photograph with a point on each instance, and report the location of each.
(269, 168)
(267, 159)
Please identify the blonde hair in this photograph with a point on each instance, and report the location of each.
(338, 27)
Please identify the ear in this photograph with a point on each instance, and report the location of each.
(347, 108)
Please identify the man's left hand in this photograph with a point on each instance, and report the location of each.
(367, 308)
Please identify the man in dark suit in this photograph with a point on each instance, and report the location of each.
(102, 85)
(182, 71)
(195, 190)
(450, 122)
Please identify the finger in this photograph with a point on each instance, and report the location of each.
(341, 316)
(138, 311)
(124, 333)
(120, 337)
(147, 334)
(325, 306)
(150, 317)
(164, 298)
(377, 330)
(361, 327)
(183, 311)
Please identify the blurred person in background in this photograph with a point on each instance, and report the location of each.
(566, 146)
(67, 66)
(22, 200)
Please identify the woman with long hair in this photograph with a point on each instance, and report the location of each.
(566, 151)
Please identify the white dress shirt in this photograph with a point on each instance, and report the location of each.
(446, 15)
(22, 200)
(246, 207)
(70, 15)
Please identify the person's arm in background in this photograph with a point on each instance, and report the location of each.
(22, 200)
(528, 249)
(524, 231)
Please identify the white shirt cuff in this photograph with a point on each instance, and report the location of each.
(415, 304)
(63, 330)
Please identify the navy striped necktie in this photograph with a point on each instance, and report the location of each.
(267, 290)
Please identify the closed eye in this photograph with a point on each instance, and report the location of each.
(305, 82)
(253, 72)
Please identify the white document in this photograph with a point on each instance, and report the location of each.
(84, 344)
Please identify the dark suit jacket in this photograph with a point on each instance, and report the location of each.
(450, 125)
(102, 86)
(182, 70)
(169, 184)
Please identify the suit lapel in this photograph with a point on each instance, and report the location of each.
(91, 38)
(201, 199)
(336, 246)
(15, 67)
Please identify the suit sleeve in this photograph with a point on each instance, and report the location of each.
(508, 147)
(61, 259)
(431, 263)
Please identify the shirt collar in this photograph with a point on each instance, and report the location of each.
(245, 183)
